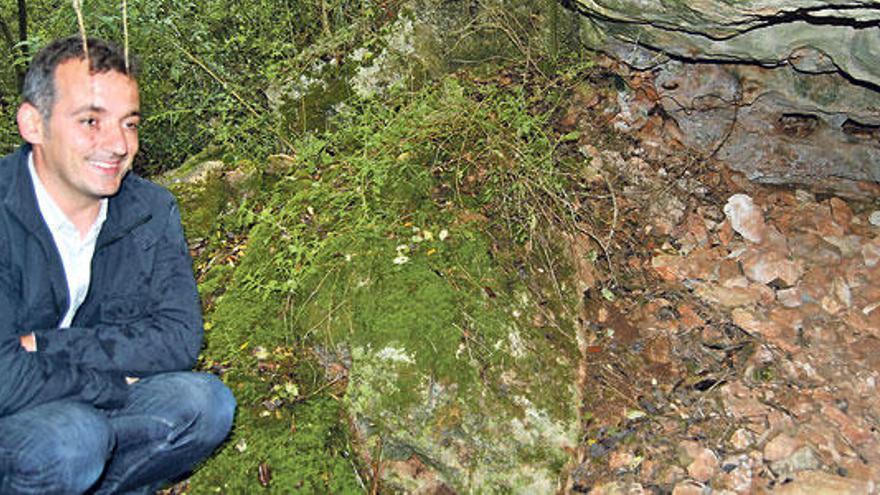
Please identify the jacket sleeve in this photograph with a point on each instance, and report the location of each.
(30, 379)
(166, 338)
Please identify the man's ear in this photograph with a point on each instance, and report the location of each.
(30, 124)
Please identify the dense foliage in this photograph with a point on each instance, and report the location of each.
(208, 66)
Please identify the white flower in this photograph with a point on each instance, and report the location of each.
(401, 259)
(443, 235)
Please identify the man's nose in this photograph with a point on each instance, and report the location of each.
(114, 140)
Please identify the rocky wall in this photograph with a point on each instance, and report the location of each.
(783, 91)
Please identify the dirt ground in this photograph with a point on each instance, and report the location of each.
(740, 354)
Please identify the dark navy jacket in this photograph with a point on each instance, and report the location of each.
(142, 312)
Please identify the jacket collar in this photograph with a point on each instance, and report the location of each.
(126, 210)
(20, 198)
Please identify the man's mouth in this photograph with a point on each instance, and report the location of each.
(110, 167)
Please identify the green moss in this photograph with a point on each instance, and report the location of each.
(215, 281)
(305, 448)
(346, 256)
(203, 202)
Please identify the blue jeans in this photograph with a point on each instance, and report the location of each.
(170, 422)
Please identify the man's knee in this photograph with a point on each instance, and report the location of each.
(205, 402)
(68, 455)
(215, 405)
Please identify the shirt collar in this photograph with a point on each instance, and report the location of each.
(52, 214)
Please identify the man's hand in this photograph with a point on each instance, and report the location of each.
(29, 342)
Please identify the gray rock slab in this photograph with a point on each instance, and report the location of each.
(783, 91)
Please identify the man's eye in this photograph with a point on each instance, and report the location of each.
(132, 125)
(90, 122)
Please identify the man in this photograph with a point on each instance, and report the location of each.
(99, 315)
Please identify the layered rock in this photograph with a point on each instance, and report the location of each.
(784, 91)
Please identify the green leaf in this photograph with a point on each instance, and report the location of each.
(607, 294)
(571, 136)
(634, 414)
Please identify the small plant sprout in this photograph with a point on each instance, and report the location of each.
(607, 294)
(401, 256)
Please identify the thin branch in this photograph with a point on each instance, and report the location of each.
(228, 88)
(125, 32)
(614, 204)
(77, 6)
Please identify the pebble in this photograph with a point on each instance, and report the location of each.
(822, 483)
(871, 253)
(790, 298)
(803, 459)
(742, 478)
(704, 466)
(768, 266)
(742, 439)
(874, 219)
(621, 460)
(745, 217)
(618, 488)
(780, 447)
(687, 488)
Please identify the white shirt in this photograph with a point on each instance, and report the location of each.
(76, 253)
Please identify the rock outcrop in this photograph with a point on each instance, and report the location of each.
(784, 91)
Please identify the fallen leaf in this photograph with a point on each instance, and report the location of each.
(241, 445)
(634, 414)
(264, 474)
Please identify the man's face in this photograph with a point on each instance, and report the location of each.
(85, 148)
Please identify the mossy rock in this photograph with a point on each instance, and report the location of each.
(369, 259)
(454, 384)
(448, 382)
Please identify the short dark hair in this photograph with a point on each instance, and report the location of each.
(39, 82)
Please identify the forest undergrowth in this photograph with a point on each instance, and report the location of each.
(413, 221)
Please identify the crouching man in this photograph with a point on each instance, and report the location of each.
(100, 321)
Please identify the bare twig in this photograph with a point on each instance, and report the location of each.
(77, 7)
(320, 389)
(324, 319)
(377, 469)
(125, 33)
(250, 108)
(614, 204)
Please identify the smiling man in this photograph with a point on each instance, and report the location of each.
(99, 316)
